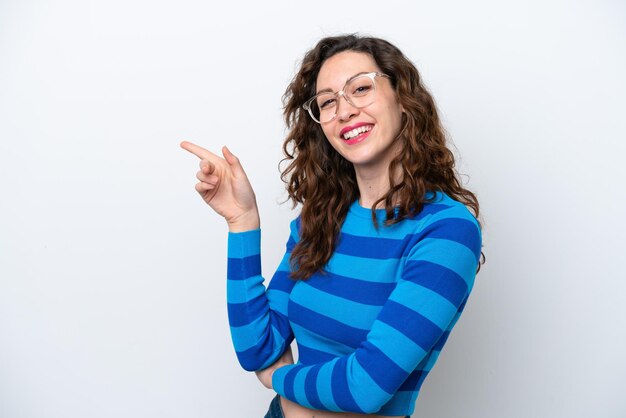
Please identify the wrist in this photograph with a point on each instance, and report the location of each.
(245, 222)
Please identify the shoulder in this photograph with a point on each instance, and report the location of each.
(444, 218)
(441, 206)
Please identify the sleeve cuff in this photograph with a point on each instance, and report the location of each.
(244, 244)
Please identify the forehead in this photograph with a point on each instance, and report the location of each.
(336, 70)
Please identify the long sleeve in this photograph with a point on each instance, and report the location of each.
(258, 320)
(437, 276)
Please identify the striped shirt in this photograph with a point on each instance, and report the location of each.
(371, 326)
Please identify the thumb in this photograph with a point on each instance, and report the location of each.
(232, 161)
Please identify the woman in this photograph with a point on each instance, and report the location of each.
(381, 259)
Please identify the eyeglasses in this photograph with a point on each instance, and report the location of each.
(359, 91)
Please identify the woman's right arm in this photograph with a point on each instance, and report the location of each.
(258, 319)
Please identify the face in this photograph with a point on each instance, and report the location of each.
(366, 136)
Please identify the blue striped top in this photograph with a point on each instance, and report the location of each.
(368, 329)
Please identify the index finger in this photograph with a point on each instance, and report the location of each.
(198, 151)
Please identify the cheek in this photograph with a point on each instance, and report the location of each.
(332, 140)
(327, 132)
(327, 135)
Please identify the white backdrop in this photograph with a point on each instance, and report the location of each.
(112, 270)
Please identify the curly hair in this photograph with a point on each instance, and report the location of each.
(324, 183)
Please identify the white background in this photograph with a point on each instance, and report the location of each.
(112, 270)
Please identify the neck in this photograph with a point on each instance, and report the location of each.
(373, 184)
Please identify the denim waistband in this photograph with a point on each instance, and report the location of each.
(276, 410)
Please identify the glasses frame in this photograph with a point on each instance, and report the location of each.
(372, 76)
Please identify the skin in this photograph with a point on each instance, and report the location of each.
(224, 186)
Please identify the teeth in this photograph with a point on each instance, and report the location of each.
(357, 131)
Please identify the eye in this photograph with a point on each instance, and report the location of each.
(326, 102)
(362, 90)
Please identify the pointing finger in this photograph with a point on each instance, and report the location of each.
(198, 151)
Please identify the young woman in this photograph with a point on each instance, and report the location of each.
(382, 258)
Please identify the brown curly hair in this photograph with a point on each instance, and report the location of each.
(324, 182)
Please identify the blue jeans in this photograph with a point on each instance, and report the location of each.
(275, 411)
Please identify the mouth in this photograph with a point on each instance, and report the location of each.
(352, 136)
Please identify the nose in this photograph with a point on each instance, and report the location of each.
(345, 109)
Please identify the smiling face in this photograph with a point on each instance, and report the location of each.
(366, 137)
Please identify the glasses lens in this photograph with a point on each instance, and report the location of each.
(323, 107)
(361, 91)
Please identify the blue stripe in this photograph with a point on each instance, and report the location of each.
(240, 314)
(429, 210)
(430, 304)
(310, 386)
(366, 392)
(383, 370)
(319, 342)
(370, 247)
(240, 291)
(281, 281)
(244, 244)
(369, 293)
(354, 225)
(326, 327)
(299, 389)
(463, 231)
(279, 301)
(382, 271)
(419, 329)
(242, 268)
(324, 388)
(441, 341)
(334, 307)
(450, 254)
(429, 275)
(340, 387)
(248, 335)
(451, 215)
(396, 345)
(289, 379)
(308, 355)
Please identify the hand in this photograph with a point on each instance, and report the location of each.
(265, 375)
(224, 186)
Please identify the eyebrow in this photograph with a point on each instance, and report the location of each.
(347, 81)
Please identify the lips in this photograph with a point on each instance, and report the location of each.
(356, 133)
